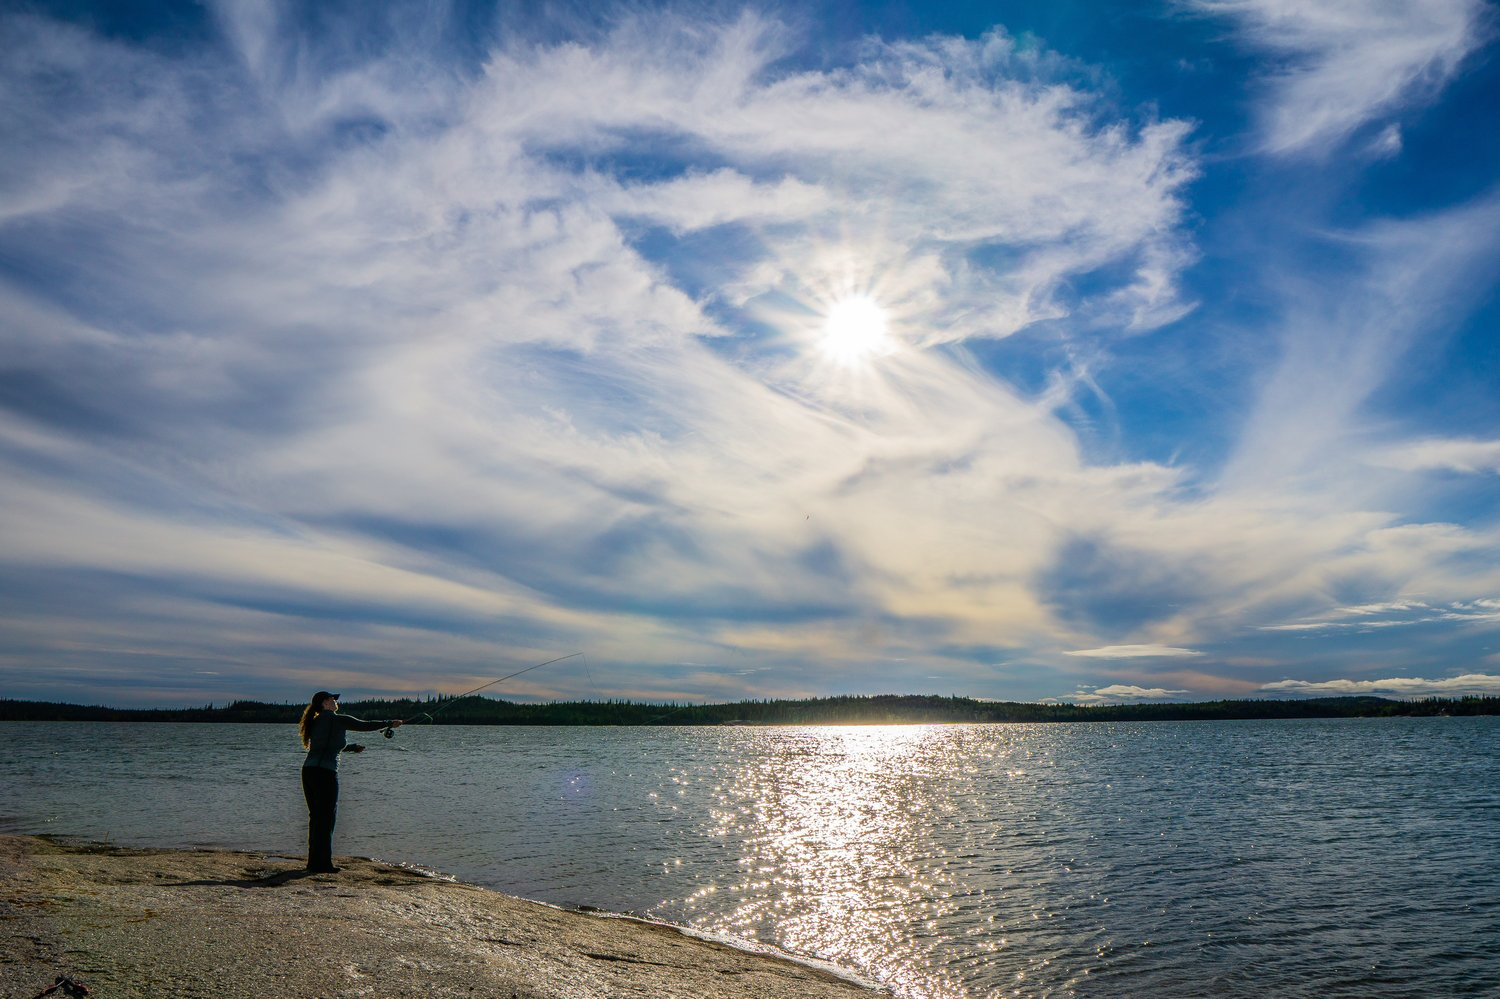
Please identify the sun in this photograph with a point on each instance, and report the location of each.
(854, 329)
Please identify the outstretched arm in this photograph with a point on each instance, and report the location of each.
(352, 724)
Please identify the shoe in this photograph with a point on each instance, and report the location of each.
(330, 869)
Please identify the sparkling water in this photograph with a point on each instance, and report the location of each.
(1353, 857)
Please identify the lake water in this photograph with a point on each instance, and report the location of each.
(1355, 857)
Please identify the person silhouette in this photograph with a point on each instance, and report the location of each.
(322, 729)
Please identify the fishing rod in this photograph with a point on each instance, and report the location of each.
(390, 733)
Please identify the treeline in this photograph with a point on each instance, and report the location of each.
(881, 709)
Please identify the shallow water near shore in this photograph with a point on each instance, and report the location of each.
(1352, 857)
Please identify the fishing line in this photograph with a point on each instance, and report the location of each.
(390, 733)
(600, 700)
(594, 687)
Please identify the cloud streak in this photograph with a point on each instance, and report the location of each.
(454, 364)
(340, 352)
(1465, 456)
(1468, 685)
(1343, 63)
(1398, 614)
(1134, 652)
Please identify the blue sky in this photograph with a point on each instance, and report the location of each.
(1013, 350)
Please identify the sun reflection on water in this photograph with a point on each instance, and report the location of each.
(830, 824)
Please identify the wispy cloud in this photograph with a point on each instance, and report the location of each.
(347, 352)
(1343, 63)
(1403, 284)
(1437, 454)
(1397, 614)
(1468, 685)
(381, 338)
(1134, 652)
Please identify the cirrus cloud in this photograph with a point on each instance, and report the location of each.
(330, 341)
(1467, 685)
(1438, 454)
(1346, 62)
(531, 339)
(1134, 652)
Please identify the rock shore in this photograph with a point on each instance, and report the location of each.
(236, 925)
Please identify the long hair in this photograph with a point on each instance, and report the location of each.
(310, 715)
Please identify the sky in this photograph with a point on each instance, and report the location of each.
(1015, 350)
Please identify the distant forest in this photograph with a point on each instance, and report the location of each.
(877, 710)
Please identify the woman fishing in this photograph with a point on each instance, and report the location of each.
(322, 729)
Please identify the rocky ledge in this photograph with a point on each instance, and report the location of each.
(235, 925)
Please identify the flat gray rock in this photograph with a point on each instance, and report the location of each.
(232, 925)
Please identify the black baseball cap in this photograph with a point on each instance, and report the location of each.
(322, 696)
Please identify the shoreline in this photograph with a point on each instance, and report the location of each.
(130, 922)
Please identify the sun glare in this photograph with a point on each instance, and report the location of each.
(854, 329)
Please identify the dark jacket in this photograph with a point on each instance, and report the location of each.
(326, 737)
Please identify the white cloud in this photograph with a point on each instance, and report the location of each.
(1347, 62)
(1123, 693)
(536, 350)
(1388, 144)
(1134, 652)
(438, 368)
(1440, 454)
(1397, 614)
(1401, 284)
(701, 201)
(867, 154)
(1470, 684)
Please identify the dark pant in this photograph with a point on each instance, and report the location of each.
(320, 786)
